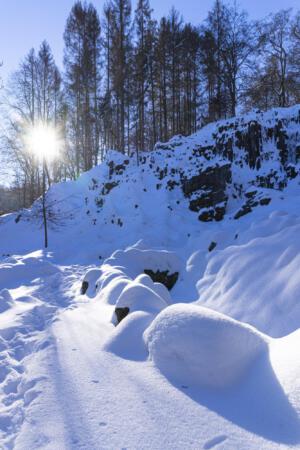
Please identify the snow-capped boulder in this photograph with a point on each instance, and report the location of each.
(159, 288)
(134, 261)
(137, 297)
(192, 344)
(145, 280)
(88, 285)
(126, 340)
(108, 273)
(111, 292)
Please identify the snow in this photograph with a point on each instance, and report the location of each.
(126, 340)
(192, 344)
(6, 300)
(90, 279)
(257, 282)
(212, 363)
(138, 297)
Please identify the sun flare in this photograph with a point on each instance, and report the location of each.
(43, 141)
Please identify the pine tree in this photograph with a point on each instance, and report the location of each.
(120, 51)
(82, 79)
(142, 79)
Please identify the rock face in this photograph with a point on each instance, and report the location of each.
(253, 199)
(208, 190)
(251, 141)
(202, 176)
(260, 150)
(214, 178)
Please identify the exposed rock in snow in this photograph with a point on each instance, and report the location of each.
(153, 262)
(138, 297)
(191, 344)
(88, 285)
(159, 288)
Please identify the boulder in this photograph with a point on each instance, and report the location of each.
(163, 277)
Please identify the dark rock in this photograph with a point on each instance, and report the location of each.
(163, 277)
(207, 216)
(84, 287)
(219, 212)
(214, 178)
(251, 194)
(119, 169)
(297, 153)
(108, 187)
(171, 184)
(281, 141)
(291, 171)
(207, 199)
(99, 202)
(121, 313)
(212, 245)
(246, 209)
(264, 201)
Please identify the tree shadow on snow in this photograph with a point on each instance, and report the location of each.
(257, 403)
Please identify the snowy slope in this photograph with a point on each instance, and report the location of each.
(216, 217)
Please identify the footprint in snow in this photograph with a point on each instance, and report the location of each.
(11, 385)
(31, 395)
(214, 442)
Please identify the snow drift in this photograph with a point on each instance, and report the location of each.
(191, 344)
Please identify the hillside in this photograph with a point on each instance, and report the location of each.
(165, 313)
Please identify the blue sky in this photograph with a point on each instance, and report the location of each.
(25, 23)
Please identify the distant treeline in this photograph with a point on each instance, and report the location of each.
(130, 81)
(10, 199)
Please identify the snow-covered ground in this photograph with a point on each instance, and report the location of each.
(212, 363)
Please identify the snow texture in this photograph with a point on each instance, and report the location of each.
(212, 363)
(192, 344)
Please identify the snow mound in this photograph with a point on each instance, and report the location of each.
(111, 292)
(88, 285)
(192, 344)
(258, 282)
(135, 261)
(109, 273)
(138, 297)
(16, 268)
(126, 340)
(159, 288)
(115, 278)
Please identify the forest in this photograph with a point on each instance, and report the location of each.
(129, 81)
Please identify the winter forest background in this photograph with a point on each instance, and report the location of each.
(129, 81)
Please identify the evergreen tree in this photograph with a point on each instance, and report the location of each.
(82, 80)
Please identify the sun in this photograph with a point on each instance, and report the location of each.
(42, 140)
